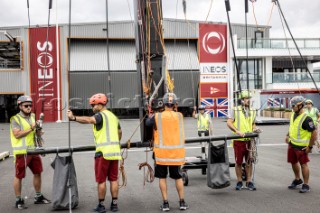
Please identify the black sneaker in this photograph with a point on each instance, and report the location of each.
(20, 204)
(305, 188)
(295, 183)
(183, 205)
(114, 207)
(41, 200)
(251, 186)
(239, 186)
(100, 208)
(165, 207)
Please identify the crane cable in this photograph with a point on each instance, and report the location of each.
(294, 41)
(184, 5)
(287, 44)
(46, 53)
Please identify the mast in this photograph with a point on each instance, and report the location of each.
(150, 59)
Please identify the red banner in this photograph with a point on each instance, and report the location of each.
(213, 43)
(210, 90)
(43, 72)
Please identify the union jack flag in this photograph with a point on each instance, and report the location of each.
(222, 107)
(209, 106)
(276, 102)
(216, 107)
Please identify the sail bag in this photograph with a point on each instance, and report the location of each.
(218, 174)
(65, 188)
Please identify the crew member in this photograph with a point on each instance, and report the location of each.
(107, 135)
(300, 139)
(169, 148)
(22, 132)
(204, 121)
(241, 121)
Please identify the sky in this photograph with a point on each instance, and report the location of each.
(302, 16)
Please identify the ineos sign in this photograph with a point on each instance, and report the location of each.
(217, 35)
(45, 70)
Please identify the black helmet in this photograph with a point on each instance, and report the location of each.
(297, 100)
(169, 98)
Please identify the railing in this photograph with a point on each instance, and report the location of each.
(276, 43)
(294, 77)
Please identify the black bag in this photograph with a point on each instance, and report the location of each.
(64, 183)
(218, 174)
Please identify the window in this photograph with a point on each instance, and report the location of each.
(254, 73)
(10, 55)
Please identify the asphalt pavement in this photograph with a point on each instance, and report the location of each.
(272, 175)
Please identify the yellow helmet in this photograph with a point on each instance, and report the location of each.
(245, 94)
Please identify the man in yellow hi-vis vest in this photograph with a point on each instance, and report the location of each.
(22, 132)
(169, 151)
(313, 112)
(241, 121)
(107, 135)
(300, 138)
(204, 121)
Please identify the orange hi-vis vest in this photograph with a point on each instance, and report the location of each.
(169, 139)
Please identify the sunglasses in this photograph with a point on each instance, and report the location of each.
(27, 105)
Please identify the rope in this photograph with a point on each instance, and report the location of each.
(149, 176)
(253, 154)
(122, 174)
(255, 18)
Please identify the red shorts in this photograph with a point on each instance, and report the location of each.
(295, 156)
(31, 161)
(106, 168)
(240, 151)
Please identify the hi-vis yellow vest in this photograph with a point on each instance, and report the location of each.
(169, 139)
(107, 138)
(203, 122)
(312, 114)
(21, 145)
(298, 136)
(243, 123)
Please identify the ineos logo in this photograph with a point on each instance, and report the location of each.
(217, 35)
(41, 60)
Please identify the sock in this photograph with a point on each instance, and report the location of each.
(101, 201)
(38, 194)
(114, 201)
(181, 200)
(18, 198)
(165, 201)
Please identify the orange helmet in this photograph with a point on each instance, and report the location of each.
(98, 98)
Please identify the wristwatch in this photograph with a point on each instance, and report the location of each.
(310, 147)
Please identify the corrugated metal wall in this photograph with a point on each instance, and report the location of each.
(181, 56)
(91, 55)
(89, 71)
(124, 88)
(180, 29)
(12, 31)
(11, 82)
(123, 30)
(186, 86)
